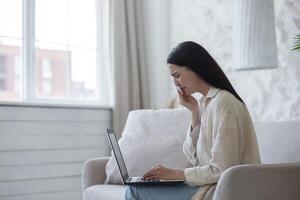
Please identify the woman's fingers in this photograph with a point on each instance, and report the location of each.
(153, 172)
(187, 100)
(152, 177)
(160, 172)
(148, 173)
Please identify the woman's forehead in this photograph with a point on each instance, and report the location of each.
(177, 68)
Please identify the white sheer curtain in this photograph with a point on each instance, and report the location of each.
(128, 60)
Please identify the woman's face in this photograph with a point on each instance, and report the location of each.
(186, 79)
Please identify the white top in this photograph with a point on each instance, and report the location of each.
(225, 137)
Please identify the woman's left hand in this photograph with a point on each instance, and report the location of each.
(161, 172)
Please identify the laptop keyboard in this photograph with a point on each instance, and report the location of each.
(140, 179)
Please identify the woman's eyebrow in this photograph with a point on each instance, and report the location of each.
(174, 73)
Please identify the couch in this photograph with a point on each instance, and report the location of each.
(277, 178)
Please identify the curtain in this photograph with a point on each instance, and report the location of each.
(128, 60)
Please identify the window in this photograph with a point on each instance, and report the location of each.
(18, 75)
(2, 72)
(59, 56)
(10, 48)
(46, 76)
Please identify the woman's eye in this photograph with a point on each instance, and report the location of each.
(175, 75)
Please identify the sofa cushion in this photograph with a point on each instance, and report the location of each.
(107, 192)
(279, 142)
(151, 137)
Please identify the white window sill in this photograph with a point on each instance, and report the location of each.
(56, 105)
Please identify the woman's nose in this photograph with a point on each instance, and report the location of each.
(176, 82)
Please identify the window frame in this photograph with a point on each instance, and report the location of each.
(28, 62)
(28, 50)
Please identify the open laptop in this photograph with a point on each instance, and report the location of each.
(122, 168)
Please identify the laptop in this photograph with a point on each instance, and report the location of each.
(122, 167)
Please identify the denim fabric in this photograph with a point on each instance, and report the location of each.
(174, 192)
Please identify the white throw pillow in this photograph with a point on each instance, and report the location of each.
(151, 137)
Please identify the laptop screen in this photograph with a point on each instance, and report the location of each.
(117, 152)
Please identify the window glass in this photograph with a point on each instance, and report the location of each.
(66, 45)
(69, 62)
(10, 50)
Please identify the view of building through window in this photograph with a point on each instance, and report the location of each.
(10, 50)
(10, 73)
(67, 50)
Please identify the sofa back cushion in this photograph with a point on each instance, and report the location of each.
(279, 142)
(151, 137)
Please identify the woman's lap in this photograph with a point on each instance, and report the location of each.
(174, 192)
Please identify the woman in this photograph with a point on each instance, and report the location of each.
(220, 135)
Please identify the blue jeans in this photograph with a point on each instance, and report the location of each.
(174, 192)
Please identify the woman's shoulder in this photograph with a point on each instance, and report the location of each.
(225, 97)
(224, 100)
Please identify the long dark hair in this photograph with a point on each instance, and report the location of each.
(193, 56)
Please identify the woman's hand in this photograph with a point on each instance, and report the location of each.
(188, 101)
(192, 104)
(161, 172)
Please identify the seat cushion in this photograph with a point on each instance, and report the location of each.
(104, 192)
(151, 137)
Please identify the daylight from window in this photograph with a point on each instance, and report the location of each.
(10, 49)
(67, 50)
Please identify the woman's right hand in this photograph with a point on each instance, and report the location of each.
(188, 101)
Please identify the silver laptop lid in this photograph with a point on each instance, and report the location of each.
(117, 153)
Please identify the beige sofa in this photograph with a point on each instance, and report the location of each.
(278, 178)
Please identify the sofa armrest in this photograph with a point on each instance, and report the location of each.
(260, 182)
(93, 172)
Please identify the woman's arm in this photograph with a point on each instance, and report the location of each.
(161, 172)
(225, 153)
(195, 116)
(190, 143)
